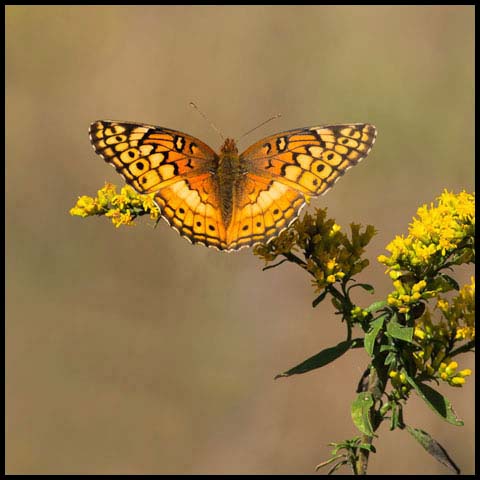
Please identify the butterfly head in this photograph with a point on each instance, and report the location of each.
(229, 146)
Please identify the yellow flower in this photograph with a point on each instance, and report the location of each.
(418, 287)
(118, 218)
(436, 231)
(121, 208)
(335, 228)
(331, 265)
(419, 333)
(149, 205)
(460, 312)
(84, 206)
(448, 373)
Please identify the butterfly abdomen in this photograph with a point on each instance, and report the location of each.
(228, 174)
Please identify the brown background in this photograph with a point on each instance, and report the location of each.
(131, 351)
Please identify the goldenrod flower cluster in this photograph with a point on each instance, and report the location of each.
(122, 208)
(437, 233)
(435, 341)
(438, 339)
(440, 236)
(399, 381)
(329, 255)
(460, 312)
(407, 294)
(358, 313)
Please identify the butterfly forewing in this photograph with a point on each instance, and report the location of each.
(311, 159)
(149, 157)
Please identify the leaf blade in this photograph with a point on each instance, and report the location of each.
(436, 401)
(322, 358)
(360, 411)
(370, 337)
(395, 330)
(433, 448)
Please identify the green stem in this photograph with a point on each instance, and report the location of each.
(376, 385)
(361, 464)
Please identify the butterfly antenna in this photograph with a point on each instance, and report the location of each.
(207, 119)
(278, 115)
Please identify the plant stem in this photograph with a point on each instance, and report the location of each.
(376, 386)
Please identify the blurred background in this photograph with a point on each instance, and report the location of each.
(132, 351)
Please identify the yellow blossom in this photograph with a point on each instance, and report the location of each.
(84, 207)
(122, 208)
(419, 333)
(335, 228)
(436, 231)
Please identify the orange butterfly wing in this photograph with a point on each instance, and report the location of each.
(311, 159)
(174, 165)
(263, 208)
(285, 169)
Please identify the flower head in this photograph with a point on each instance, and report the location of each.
(122, 208)
(438, 232)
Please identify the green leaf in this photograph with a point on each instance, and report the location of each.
(451, 281)
(370, 337)
(387, 348)
(436, 401)
(395, 330)
(376, 306)
(397, 417)
(319, 298)
(433, 448)
(337, 466)
(467, 347)
(367, 446)
(365, 286)
(323, 358)
(360, 411)
(327, 462)
(391, 357)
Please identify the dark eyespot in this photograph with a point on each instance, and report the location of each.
(276, 211)
(211, 227)
(181, 210)
(245, 227)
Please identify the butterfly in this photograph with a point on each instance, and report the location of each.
(226, 200)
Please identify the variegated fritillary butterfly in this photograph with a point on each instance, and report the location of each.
(226, 200)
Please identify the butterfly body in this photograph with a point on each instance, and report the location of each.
(226, 200)
(228, 177)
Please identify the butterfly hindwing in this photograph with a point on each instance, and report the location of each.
(191, 207)
(262, 211)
